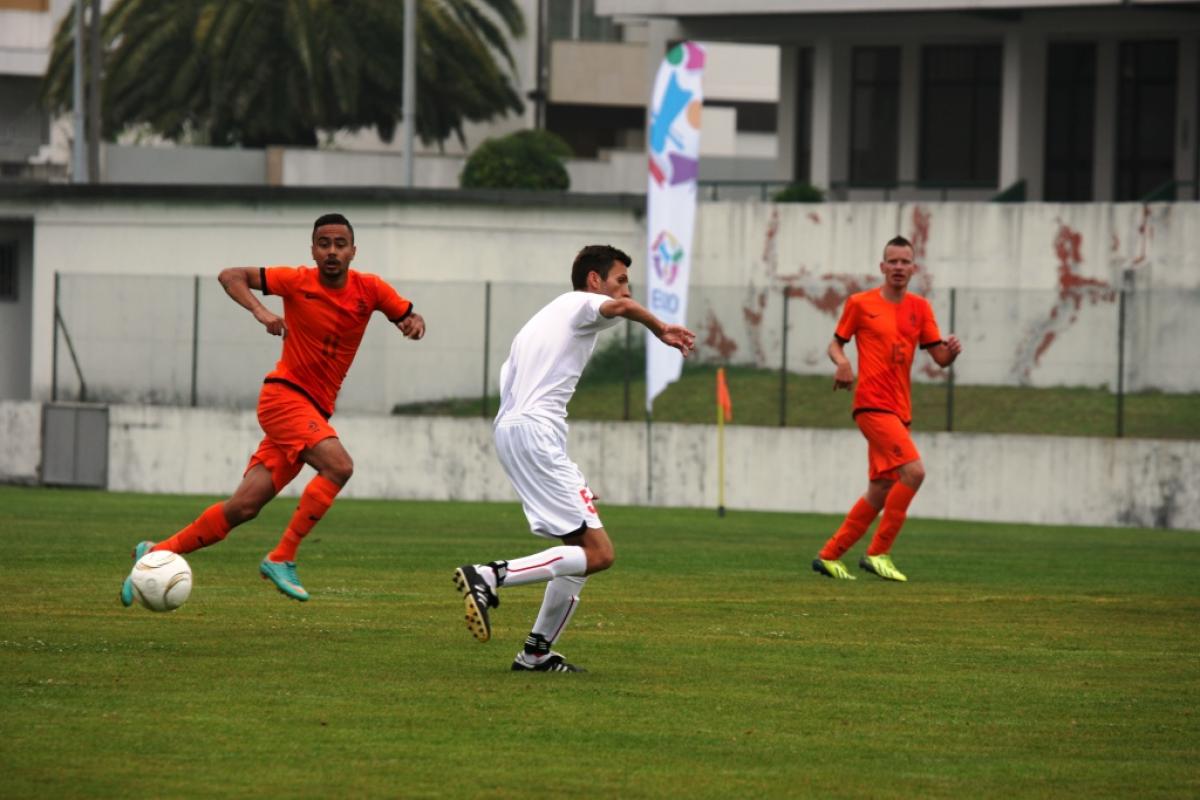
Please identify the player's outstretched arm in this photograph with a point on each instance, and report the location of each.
(945, 352)
(843, 376)
(237, 283)
(671, 335)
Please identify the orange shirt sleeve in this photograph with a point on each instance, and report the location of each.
(930, 335)
(279, 281)
(848, 325)
(389, 301)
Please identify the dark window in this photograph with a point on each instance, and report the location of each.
(1070, 121)
(751, 117)
(577, 19)
(874, 115)
(1145, 117)
(804, 91)
(8, 270)
(960, 114)
(590, 129)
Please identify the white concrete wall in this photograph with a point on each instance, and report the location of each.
(1030, 479)
(20, 441)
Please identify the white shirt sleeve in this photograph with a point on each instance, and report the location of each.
(587, 318)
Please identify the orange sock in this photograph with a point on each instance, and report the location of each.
(895, 511)
(316, 500)
(208, 529)
(853, 527)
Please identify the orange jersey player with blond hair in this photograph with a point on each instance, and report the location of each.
(888, 325)
(325, 312)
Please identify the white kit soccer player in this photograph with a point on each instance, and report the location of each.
(536, 382)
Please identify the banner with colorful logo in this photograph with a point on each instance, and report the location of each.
(674, 147)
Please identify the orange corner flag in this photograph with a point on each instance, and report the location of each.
(723, 395)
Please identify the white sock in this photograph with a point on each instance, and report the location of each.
(546, 565)
(558, 606)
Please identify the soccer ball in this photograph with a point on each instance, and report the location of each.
(162, 580)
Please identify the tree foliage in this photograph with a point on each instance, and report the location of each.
(260, 72)
(522, 160)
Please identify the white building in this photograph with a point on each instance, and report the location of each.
(1055, 99)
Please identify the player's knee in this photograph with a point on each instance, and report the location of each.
(600, 559)
(239, 510)
(913, 474)
(340, 471)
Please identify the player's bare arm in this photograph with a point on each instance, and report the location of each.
(946, 351)
(412, 326)
(237, 282)
(843, 376)
(671, 335)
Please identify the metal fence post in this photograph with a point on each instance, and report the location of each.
(487, 344)
(628, 356)
(195, 336)
(783, 364)
(1121, 364)
(950, 372)
(54, 344)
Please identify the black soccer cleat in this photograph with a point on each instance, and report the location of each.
(478, 597)
(555, 663)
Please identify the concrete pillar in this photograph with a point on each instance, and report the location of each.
(910, 113)
(1104, 166)
(1023, 111)
(785, 125)
(821, 172)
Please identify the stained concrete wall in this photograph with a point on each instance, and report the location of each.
(1030, 479)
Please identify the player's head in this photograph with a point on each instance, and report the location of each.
(603, 269)
(333, 247)
(897, 265)
(332, 219)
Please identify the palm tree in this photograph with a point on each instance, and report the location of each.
(261, 72)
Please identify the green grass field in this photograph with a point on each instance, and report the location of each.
(1019, 661)
(810, 402)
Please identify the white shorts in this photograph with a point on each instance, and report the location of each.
(553, 492)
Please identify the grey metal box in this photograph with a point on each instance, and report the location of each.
(75, 445)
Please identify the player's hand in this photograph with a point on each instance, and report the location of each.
(953, 345)
(843, 377)
(412, 326)
(678, 337)
(272, 322)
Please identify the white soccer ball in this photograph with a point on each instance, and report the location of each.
(162, 580)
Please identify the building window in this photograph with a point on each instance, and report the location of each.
(1145, 117)
(960, 115)
(874, 115)
(8, 270)
(1070, 121)
(576, 20)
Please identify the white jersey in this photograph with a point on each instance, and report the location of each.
(547, 357)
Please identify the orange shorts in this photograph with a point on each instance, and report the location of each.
(889, 444)
(292, 424)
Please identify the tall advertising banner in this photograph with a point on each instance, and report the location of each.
(671, 202)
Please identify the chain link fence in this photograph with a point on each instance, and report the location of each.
(182, 341)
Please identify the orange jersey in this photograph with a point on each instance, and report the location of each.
(325, 326)
(886, 335)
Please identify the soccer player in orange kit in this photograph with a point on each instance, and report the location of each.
(325, 312)
(887, 324)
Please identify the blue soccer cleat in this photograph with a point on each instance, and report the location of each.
(283, 575)
(140, 549)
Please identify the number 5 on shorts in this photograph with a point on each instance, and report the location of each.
(588, 497)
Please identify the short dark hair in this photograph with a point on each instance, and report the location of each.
(597, 258)
(898, 241)
(333, 219)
